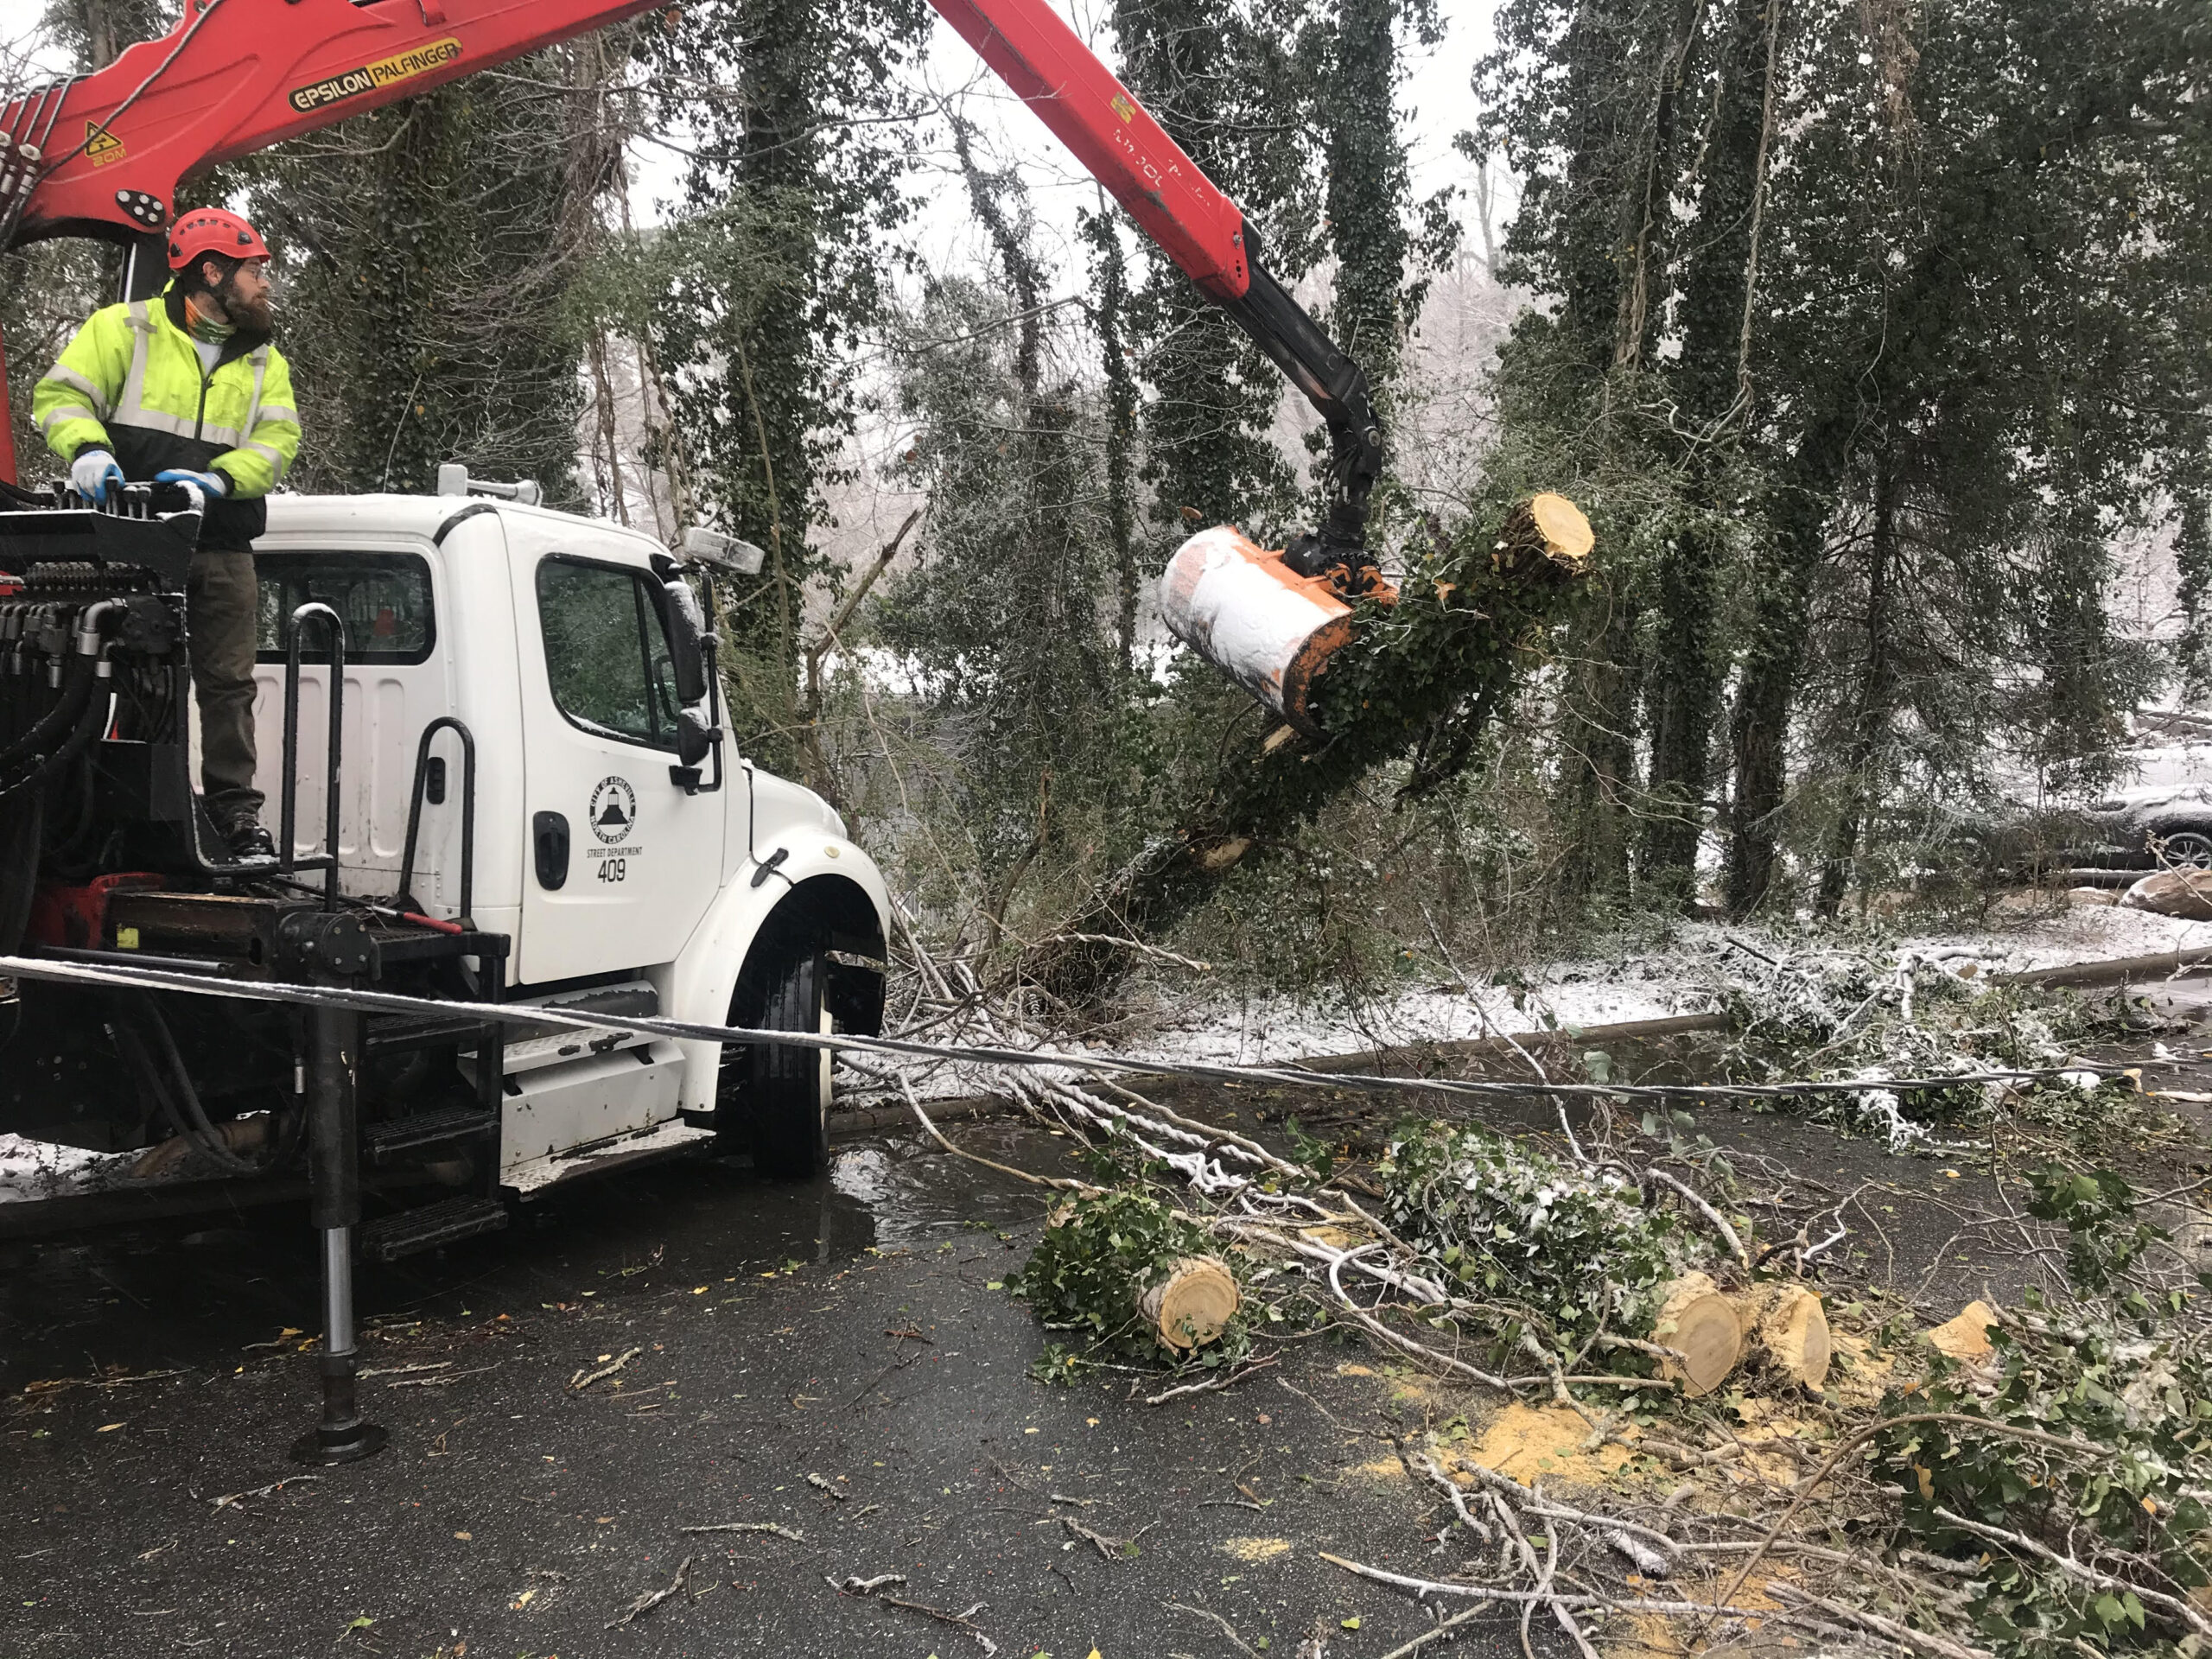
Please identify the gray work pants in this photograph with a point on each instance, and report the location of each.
(222, 607)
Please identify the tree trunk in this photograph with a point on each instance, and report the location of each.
(1683, 694)
(1597, 771)
(2193, 564)
(1786, 1333)
(1870, 718)
(1367, 188)
(1772, 660)
(1109, 311)
(1189, 1308)
(1688, 662)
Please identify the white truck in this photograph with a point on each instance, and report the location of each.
(494, 735)
(534, 804)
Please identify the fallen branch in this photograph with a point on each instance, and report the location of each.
(1214, 1385)
(775, 1527)
(1719, 1221)
(856, 1585)
(1904, 1635)
(1227, 1628)
(1059, 1183)
(229, 1498)
(1367, 1322)
(1108, 1549)
(1534, 1501)
(1858, 1437)
(438, 1381)
(653, 1599)
(1424, 1588)
(2076, 1570)
(583, 1380)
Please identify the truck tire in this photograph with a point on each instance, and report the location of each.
(780, 1096)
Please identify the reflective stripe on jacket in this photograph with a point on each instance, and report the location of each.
(131, 382)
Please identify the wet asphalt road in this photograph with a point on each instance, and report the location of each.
(521, 1520)
(846, 1329)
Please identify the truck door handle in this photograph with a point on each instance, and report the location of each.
(549, 839)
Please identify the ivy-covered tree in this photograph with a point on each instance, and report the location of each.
(428, 250)
(1908, 308)
(781, 264)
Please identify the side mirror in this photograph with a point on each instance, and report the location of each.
(695, 739)
(679, 612)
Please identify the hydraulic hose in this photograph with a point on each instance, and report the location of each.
(78, 672)
(193, 1122)
(91, 720)
(22, 821)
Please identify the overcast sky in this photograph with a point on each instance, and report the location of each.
(945, 235)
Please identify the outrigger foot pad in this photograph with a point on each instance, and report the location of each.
(341, 1436)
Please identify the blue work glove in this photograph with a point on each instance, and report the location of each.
(92, 472)
(214, 484)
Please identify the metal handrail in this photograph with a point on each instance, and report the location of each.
(314, 611)
(468, 812)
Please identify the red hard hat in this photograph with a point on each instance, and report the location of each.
(212, 230)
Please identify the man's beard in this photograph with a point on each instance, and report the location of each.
(257, 315)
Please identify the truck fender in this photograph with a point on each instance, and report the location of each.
(832, 883)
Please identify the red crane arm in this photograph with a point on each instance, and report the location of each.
(102, 154)
(1034, 52)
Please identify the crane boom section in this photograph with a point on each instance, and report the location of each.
(107, 151)
(1031, 50)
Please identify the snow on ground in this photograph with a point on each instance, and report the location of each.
(34, 1169)
(1688, 976)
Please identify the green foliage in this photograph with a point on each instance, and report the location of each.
(1097, 1258)
(1508, 1221)
(793, 197)
(1224, 78)
(2122, 1375)
(2097, 1207)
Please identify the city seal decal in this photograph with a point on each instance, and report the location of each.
(613, 810)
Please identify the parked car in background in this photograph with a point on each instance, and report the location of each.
(2131, 831)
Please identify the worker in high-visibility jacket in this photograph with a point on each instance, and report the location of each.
(187, 389)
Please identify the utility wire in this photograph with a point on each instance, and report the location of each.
(534, 1014)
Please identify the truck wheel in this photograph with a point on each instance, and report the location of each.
(783, 1094)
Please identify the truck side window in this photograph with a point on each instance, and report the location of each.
(604, 653)
(385, 599)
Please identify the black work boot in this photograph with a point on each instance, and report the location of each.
(247, 839)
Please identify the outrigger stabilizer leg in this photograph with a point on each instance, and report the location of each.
(334, 1058)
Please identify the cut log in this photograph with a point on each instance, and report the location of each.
(1700, 1324)
(1965, 1336)
(2186, 893)
(1192, 1304)
(1425, 677)
(1552, 525)
(1786, 1329)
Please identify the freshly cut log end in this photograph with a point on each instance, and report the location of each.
(1787, 1332)
(1966, 1335)
(1194, 1304)
(1550, 527)
(1700, 1324)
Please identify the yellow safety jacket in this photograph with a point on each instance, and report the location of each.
(131, 383)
